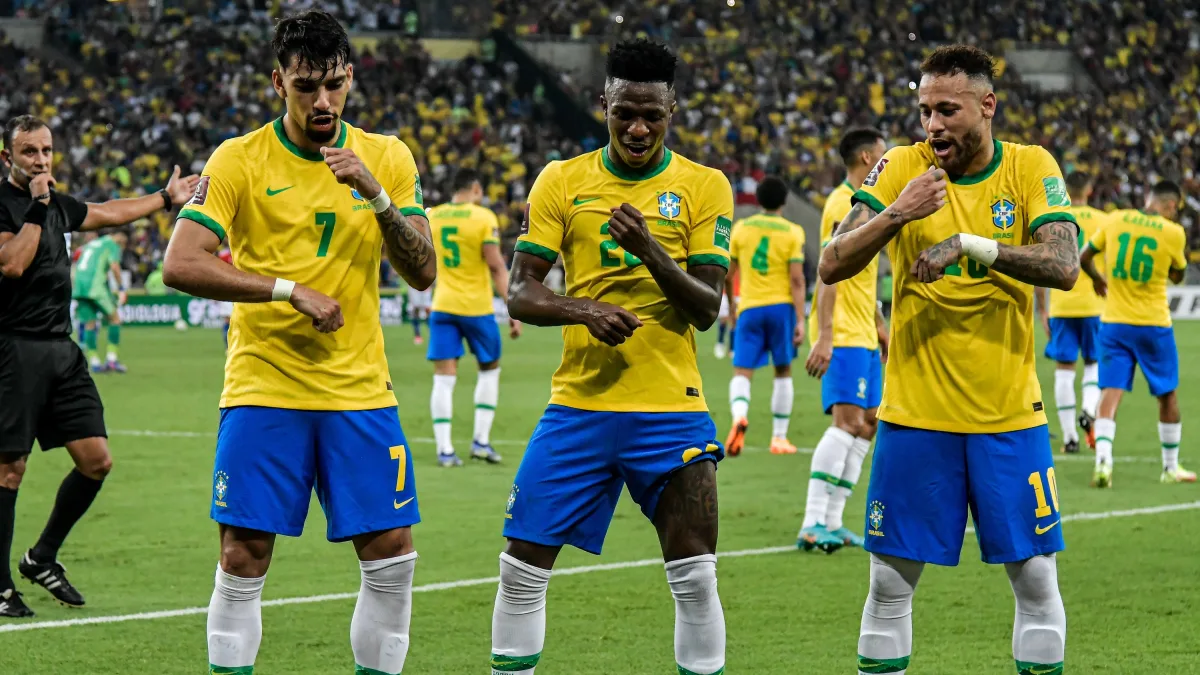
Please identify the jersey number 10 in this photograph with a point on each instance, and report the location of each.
(1039, 492)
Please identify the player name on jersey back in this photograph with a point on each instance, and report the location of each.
(1140, 250)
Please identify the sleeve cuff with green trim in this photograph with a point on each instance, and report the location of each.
(412, 211)
(796, 260)
(534, 249)
(205, 220)
(1058, 217)
(862, 196)
(708, 259)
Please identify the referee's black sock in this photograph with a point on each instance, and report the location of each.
(8, 512)
(75, 495)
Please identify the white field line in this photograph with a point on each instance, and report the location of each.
(486, 581)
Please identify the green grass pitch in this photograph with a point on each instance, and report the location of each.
(1129, 579)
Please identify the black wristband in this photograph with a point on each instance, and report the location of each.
(36, 213)
(166, 199)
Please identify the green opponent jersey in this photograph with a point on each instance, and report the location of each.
(91, 270)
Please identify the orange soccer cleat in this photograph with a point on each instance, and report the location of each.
(737, 437)
(781, 446)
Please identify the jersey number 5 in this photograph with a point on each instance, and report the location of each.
(326, 221)
(453, 256)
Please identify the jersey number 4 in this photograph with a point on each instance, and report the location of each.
(758, 262)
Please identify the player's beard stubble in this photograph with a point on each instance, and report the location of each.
(321, 135)
(967, 148)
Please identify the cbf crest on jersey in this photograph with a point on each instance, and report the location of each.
(669, 205)
(875, 518)
(1004, 213)
(512, 500)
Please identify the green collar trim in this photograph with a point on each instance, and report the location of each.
(987, 170)
(296, 150)
(625, 174)
(847, 184)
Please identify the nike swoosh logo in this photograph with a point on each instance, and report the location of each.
(272, 193)
(400, 505)
(579, 201)
(1037, 529)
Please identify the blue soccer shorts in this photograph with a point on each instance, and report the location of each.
(447, 332)
(1123, 346)
(270, 459)
(854, 377)
(764, 332)
(922, 483)
(570, 478)
(1074, 337)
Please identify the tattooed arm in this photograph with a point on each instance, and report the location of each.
(408, 246)
(1053, 262)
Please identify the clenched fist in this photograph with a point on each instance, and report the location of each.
(349, 170)
(922, 197)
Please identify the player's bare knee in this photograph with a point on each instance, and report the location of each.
(490, 365)
(12, 470)
(445, 367)
(870, 425)
(533, 554)
(783, 371)
(849, 418)
(686, 515)
(384, 544)
(91, 457)
(245, 553)
(1168, 408)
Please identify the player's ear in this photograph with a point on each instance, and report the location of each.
(349, 75)
(277, 82)
(989, 105)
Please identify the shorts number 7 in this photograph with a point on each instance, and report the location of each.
(1035, 479)
(399, 453)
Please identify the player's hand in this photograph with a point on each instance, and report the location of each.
(514, 329)
(628, 228)
(40, 184)
(922, 197)
(122, 298)
(1101, 287)
(884, 343)
(932, 263)
(325, 312)
(819, 356)
(349, 170)
(610, 324)
(180, 190)
(798, 334)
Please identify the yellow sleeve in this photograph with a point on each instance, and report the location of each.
(491, 227)
(403, 182)
(1046, 199)
(218, 194)
(543, 228)
(709, 240)
(797, 253)
(733, 239)
(883, 185)
(1096, 243)
(831, 216)
(1179, 249)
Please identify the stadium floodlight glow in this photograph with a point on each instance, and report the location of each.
(731, 3)
(912, 85)
(619, 19)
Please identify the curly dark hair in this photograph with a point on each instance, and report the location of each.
(315, 38)
(641, 60)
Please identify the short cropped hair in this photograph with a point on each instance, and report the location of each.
(855, 141)
(772, 193)
(641, 60)
(23, 123)
(974, 62)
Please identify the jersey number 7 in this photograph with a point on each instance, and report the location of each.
(326, 221)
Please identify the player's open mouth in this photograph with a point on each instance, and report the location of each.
(941, 147)
(323, 122)
(638, 151)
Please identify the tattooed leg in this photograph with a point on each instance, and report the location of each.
(686, 517)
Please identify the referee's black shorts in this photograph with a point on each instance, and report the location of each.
(46, 393)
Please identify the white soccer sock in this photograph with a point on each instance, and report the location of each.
(1040, 626)
(441, 409)
(379, 628)
(487, 393)
(828, 462)
(234, 620)
(1064, 399)
(1169, 435)
(1091, 388)
(781, 406)
(519, 618)
(739, 396)
(850, 474)
(699, 619)
(1106, 431)
(885, 638)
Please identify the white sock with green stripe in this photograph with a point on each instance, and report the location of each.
(519, 617)
(1040, 626)
(441, 409)
(234, 623)
(1169, 435)
(829, 459)
(739, 396)
(885, 638)
(845, 487)
(1064, 401)
(1091, 388)
(699, 619)
(782, 396)
(487, 393)
(379, 628)
(1106, 431)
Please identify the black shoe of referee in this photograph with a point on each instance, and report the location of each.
(51, 576)
(12, 606)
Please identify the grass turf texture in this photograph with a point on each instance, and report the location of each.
(148, 544)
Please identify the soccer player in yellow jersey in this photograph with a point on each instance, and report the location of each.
(973, 225)
(1071, 320)
(766, 253)
(1142, 251)
(644, 237)
(847, 331)
(307, 203)
(467, 239)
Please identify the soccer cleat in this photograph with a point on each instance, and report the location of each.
(737, 437)
(1071, 447)
(1179, 475)
(1102, 476)
(720, 351)
(485, 452)
(99, 367)
(12, 606)
(848, 537)
(1088, 424)
(115, 366)
(51, 576)
(449, 459)
(818, 537)
(418, 340)
(781, 446)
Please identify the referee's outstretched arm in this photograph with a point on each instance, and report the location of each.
(122, 211)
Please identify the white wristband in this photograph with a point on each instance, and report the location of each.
(381, 202)
(977, 248)
(283, 289)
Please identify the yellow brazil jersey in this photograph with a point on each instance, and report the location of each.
(854, 304)
(285, 215)
(689, 211)
(464, 281)
(961, 357)
(1140, 248)
(764, 247)
(1081, 300)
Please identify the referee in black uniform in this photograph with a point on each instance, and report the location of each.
(46, 392)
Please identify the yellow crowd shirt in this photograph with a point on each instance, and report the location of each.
(764, 247)
(961, 357)
(1141, 249)
(689, 210)
(285, 215)
(854, 304)
(1081, 301)
(464, 281)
